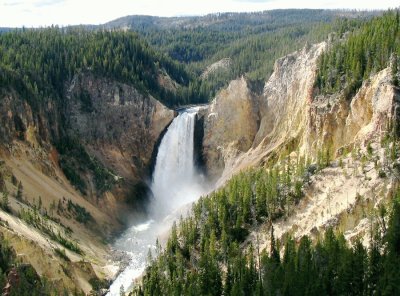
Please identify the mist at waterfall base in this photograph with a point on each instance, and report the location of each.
(176, 183)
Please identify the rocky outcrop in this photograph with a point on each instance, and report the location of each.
(221, 65)
(229, 126)
(34, 122)
(288, 117)
(116, 123)
(286, 97)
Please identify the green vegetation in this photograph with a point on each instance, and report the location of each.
(98, 284)
(204, 257)
(253, 41)
(367, 50)
(28, 283)
(4, 202)
(33, 218)
(20, 189)
(37, 63)
(61, 253)
(75, 161)
(80, 213)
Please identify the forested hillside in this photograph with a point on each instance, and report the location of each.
(39, 62)
(206, 253)
(253, 41)
(367, 50)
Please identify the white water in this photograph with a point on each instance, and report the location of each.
(176, 183)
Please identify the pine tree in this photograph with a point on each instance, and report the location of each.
(20, 188)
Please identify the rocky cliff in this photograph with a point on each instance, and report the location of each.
(289, 117)
(230, 126)
(72, 169)
(117, 125)
(288, 121)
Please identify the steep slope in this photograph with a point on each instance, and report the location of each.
(31, 162)
(279, 113)
(75, 151)
(294, 122)
(291, 119)
(230, 126)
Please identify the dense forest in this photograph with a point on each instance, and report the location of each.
(205, 254)
(38, 62)
(366, 50)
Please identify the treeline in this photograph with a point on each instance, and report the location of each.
(193, 39)
(366, 50)
(205, 256)
(38, 63)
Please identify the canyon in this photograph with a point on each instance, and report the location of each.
(119, 131)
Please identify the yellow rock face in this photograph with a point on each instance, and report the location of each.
(243, 130)
(230, 125)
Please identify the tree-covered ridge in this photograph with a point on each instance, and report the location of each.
(193, 39)
(253, 41)
(366, 50)
(231, 21)
(38, 63)
(209, 239)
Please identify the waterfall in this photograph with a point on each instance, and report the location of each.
(175, 178)
(175, 183)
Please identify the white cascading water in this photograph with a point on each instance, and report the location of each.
(175, 183)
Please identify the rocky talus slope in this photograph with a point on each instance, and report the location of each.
(290, 119)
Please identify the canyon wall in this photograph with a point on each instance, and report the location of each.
(54, 154)
(289, 117)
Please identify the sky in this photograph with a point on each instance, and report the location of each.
(36, 13)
